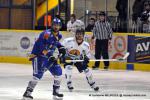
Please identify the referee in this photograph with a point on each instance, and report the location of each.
(102, 31)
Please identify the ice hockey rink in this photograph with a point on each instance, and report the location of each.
(114, 84)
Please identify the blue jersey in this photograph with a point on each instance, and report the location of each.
(46, 41)
(49, 44)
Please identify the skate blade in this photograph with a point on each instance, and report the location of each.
(96, 90)
(24, 98)
(57, 98)
(70, 90)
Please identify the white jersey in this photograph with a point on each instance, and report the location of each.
(72, 27)
(74, 49)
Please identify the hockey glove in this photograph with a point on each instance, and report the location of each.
(31, 57)
(62, 51)
(86, 60)
(52, 59)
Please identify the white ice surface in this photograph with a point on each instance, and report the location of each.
(113, 83)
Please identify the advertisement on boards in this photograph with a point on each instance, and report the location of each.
(139, 48)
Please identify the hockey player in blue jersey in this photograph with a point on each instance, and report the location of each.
(42, 59)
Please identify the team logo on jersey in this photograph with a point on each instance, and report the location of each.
(74, 52)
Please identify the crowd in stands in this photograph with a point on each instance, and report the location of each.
(140, 18)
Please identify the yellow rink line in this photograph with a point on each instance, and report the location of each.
(64, 32)
(13, 59)
(142, 67)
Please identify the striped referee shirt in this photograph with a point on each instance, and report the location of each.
(102, 30)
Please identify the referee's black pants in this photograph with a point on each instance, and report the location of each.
(101, 49)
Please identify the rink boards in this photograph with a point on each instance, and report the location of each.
(15, 45)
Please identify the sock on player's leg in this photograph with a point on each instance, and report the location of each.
(68, 75)
(90, 80)
(56, 87)
(30, 88)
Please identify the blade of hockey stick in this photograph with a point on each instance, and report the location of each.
(125, 57)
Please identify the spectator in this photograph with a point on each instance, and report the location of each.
(90, 26)
(103, 33)
(137, 9)
(122, 8)
(145, 18)
(74, 24)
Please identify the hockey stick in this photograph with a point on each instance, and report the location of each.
(121, 59)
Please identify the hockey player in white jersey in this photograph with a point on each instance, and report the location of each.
(74, 24)
(78, 49)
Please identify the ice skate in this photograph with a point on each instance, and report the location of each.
(27, 94)
(56, 94)
(96, 89)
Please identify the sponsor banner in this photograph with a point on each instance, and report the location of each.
(139, 48)
(117, 46)
(16, 43)
(142, 49)
(20, 43)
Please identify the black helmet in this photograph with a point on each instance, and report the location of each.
(80, 30)
(79, 35)
(102, 13)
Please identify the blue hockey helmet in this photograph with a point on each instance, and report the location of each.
(56, 25)
(57, 21)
